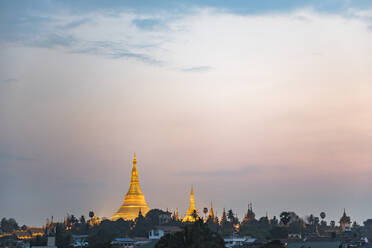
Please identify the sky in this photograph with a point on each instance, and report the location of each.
(263, 102)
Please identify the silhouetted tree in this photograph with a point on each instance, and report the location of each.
(230, 215)
(194, 235)
(332, 223)
(63, 237)
(279, 233)
(322, 215)
(316, 221)
(285, 218)
(310, 219)
(82, 219)
(8, 225)
(91, 214)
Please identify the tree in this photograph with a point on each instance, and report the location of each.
(82, 219)
(322, 215)
(193, 235)
(310, 219)
(63, 237)
(332, 223)
(274, 221)
(316, 221)
(91, 214)
(152, 216)
(279, 233)
(8, 225)
(230, 215)
(285, 218)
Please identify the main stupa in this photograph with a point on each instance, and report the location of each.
(191, 212)
(134, 200)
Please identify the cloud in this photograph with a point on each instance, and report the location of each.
(53, 40)
(197, 69)
(75, 24)
(148, 24)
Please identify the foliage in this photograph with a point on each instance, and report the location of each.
(322, 215)
(285, 218)
(256, 229)
(91, 214)
(63, 237)
(194, 235)
(103, 234)
(279, 232)
(8, 225)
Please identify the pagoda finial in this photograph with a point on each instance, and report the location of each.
(134, 158)
(192, 190)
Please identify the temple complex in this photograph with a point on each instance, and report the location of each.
(134, 200)
(190, 214)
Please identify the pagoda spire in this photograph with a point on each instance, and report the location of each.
(211, 214)
(190, 212)
(134, 200)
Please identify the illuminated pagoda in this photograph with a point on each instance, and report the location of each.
(134, 200)
(211, 213)
(190, 214)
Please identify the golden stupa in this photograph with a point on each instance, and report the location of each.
(190, 216)
(134, 200)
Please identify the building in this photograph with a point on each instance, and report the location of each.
(160, 231)
(36, 231)
(250, 215)
(234, 241)
(192, 213)
(134, 200)
(345, 222)
(211, 216)
(80, 240)
(123, 243)
(51, 243)
(23, 235)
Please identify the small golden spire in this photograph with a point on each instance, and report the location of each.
(134, 159)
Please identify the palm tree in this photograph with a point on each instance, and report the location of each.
(322, 215)
(91, 214)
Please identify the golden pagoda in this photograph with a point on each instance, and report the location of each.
(211, 213)
(134, 200)
(192, 209)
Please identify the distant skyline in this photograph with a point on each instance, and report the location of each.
(266, 102)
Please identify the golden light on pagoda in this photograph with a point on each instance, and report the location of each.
(134, 200)
(190, 214)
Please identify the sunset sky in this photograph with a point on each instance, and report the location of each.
(268, 102)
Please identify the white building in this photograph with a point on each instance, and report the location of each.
(160, 231)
